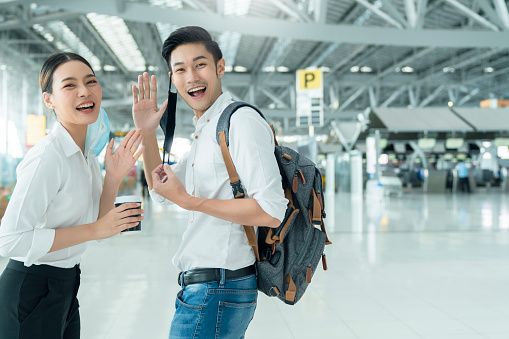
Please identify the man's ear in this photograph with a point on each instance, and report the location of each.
(48, 100)
(220, 67)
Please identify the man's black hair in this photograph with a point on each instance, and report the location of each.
(190, 35)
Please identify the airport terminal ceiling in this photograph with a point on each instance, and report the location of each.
(381, 54)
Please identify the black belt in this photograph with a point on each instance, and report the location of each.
(202, 275)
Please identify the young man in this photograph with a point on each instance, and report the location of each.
(218, 295)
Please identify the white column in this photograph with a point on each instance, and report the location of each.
(330, 194)
(356, 174)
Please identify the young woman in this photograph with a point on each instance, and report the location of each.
(59, 204)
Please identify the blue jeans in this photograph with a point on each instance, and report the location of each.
(218, 309)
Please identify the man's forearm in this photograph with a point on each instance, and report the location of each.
(240, 211)
(151, 157)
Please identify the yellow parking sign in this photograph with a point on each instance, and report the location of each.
(310, 79)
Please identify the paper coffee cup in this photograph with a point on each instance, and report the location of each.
(128, 199)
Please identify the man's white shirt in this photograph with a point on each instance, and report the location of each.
(213, 242)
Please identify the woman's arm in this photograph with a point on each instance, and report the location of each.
(114, 222)
(117, 165)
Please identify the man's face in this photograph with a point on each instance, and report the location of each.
(196, 76)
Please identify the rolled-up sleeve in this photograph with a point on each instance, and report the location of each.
(180, 171)
(37, 184)
(252, 151)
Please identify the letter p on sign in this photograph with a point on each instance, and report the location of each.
(310, 79)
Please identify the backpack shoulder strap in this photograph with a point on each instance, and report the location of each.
(223, 124)
(222, 137)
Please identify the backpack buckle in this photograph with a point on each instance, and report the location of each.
(238, 191)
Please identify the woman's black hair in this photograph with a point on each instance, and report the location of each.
(52, 63)
(190, 35)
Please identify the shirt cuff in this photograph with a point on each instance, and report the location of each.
(158, 199)
(275, 210)
(42, 241)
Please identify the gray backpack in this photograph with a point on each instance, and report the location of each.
(287, 256)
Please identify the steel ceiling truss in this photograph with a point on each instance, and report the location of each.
(403, 22)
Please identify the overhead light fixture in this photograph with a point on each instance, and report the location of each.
(407, 69)
(3, 67)
(109, 68)
(366, 69)
(152, 68)
(38, 27)
(240, 69)
(354, 69)
(228, 68)
(283, 69)
(448, 69)
(489, 70)
(325, 69)
(397, 69)
(450, 103)
(269, 69)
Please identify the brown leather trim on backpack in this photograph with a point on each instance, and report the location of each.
(317, 216)
(327, 241)
(274, 132)
(317, 209)
(324, 262)
(319, 196)
(292, 289)
(234, 178)
(251, 240)
(288, 196)
(270, 239)
(302, 177)
(230, 167)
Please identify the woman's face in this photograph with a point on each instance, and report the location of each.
(76, 96)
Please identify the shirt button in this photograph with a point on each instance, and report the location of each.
(192, 165)
(192, 193)
(196, 137)
(208, 120)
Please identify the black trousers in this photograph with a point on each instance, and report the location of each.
(464, 184)
(39, 302)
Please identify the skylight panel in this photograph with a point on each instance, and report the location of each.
(70, 42)
(236, 7)
(165, 30)
(229, 44)
(116, 34)
(176, 4)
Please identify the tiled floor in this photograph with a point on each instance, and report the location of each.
(432, 266)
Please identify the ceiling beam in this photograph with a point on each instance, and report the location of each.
(265, 27)
(472, 14)
(380, 13)
(39, 19)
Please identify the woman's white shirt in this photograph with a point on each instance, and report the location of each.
(56, 188)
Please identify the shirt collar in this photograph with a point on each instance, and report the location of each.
(217, 107)
(65, 139)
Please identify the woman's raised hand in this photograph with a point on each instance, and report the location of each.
(146, 115)
(118, 164)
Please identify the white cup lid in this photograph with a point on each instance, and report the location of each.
(127, 198)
